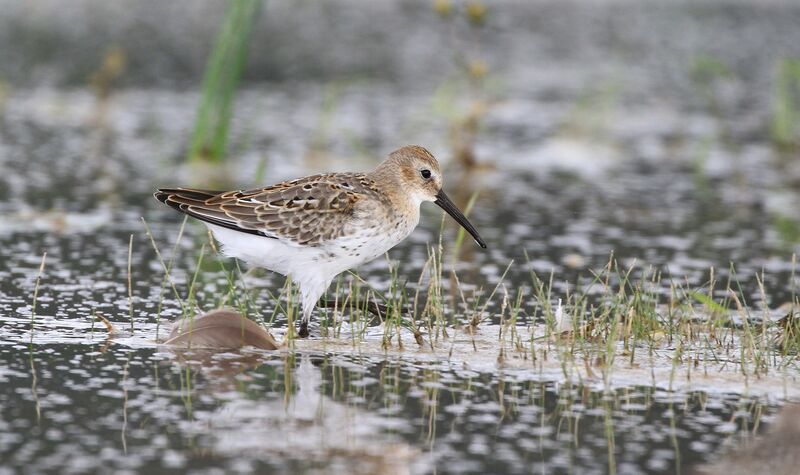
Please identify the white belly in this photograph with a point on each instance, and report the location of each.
(312, 267)
(272, 254)
(303, 262)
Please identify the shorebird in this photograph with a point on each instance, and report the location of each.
(312, 229)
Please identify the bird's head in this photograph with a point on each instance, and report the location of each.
(421, 179)
(418, 171)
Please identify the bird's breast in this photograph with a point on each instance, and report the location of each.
(372, 235)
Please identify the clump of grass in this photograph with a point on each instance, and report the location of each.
(191, 299)
(236, 287)
(627, 316)
(166, 268)
(785, 128)
(130, 282)
(599, 324)
(5, 93)
(789, 337)
(36, 297)
(396, 301)
(471, 80)
(707, 73)
(224, 68)
(34, 377)
(111, 69)
(788, 228)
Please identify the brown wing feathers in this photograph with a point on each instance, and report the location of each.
(195, 204)
(306, 211)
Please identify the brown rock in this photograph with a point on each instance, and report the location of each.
(221, 328)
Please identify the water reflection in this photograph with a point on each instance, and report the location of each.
(454, 421)
(149, 407)
(305, 424)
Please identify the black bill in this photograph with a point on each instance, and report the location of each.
(444, 202)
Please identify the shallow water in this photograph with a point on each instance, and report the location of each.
(147, 409)
(77, 402)
(578, 166)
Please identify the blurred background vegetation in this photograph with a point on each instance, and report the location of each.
(282, 87)
(734, 58)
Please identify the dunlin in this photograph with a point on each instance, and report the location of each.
(313, 228)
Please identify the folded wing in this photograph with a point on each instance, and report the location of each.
(307, 211)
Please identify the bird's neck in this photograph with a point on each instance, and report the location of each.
(388, 179)
(385, 174)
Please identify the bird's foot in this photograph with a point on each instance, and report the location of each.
(302, 332)
(378, 309)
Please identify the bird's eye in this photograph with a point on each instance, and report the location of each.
(425, 173)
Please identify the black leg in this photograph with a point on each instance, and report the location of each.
(302, 332)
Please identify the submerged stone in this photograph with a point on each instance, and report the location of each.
(220, 328)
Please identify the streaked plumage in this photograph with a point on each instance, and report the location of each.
(316, 227)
